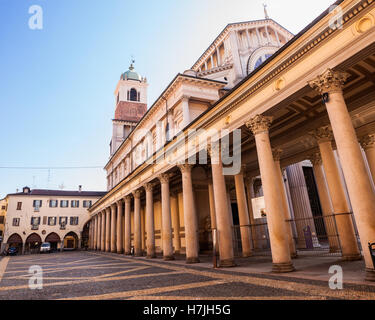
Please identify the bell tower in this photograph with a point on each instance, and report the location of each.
(131, 105)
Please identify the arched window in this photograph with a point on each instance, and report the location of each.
(133, 95)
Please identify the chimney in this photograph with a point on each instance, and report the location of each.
(79, 188)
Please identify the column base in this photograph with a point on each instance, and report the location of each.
(247, 254)
(127, 253)
(168, 258)
(120, 251)
(370, 275)
(228, 263)
(283, 267)
(192, 260)
(353, 257)
(334, 250)
(113, 251)
(151, 256)
(138, 254)
(294, 255)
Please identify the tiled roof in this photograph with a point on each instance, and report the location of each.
(61, 193)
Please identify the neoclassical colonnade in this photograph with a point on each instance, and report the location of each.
(109, 233)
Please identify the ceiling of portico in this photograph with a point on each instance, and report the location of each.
(305, 111)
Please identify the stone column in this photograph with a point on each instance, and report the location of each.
(99, 239)
(102, 234)
(150, 225)
(358, 182)
(95, 223)
(340, 205)
(325, 202)
(254, 232)
(243, 214)
(284, 200)
(127, 226)
(90, 235)
(368, 145)
(223, 218)
(175, 222)
(259, 125)
(137, 223)
(166, 218)
(303, 216)
(113, 228)
(119, 241)
(108, 229)
(97, 247)
(190, 216)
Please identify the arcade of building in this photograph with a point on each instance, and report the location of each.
(312, 101)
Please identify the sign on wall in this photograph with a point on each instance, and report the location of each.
(259, 207)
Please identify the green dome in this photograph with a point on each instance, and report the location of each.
(131, 74)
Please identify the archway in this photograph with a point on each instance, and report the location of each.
(33, 242)
(54, 239)
(15, 240)
(71, 241)
(259, 56)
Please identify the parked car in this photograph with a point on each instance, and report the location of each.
(12, 251)
(45, 247)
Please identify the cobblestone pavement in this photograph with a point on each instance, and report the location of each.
(103, 276)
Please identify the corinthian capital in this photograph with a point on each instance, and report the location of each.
(149, 186)
(164, 178)
(185, 167)
(323, 134)
(277, 152)
(329, 81)
(368, 141)
(137, 194)
(259, 124)
(315, 158)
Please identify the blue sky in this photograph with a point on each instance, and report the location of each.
(56, 84)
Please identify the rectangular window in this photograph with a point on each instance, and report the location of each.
(16, 222)
(19, 205)
(73, 221)
(2, 219)
(64, 203)
(63, 220)
(87, 203)
(53, 203)
(44, 220)
(37, 203)
(35, 221)
(52, 221)
(74, 204)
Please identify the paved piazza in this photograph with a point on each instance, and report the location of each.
(104, 276)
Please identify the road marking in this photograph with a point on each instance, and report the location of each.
(3, 265)
(307, 289)
(124, 294)
(64, 283)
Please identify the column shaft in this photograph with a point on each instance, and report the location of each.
(190, 216)
(276, 222)
(102, 235)
(119, 240)
(175, 222)
(150, 224)
(166, 218)
(137, 224)
(127, 226)
(108, 230)
(223, 219)
(243, 214)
